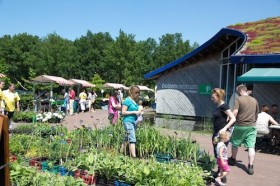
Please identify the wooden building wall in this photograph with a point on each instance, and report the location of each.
(178, 91)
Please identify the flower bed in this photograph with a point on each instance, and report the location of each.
(50, 117)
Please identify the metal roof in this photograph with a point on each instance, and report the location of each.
(216, 43)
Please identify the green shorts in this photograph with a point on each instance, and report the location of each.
(244, 135)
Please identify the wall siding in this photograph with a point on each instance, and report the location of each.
(177, 92)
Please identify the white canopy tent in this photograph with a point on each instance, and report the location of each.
(2, 75)
(82, 82)
(45, 79)
(114, 86)
(145, 88)
(52, 79)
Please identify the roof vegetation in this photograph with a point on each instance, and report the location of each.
(263, 37)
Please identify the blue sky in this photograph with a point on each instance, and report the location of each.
(197, 20)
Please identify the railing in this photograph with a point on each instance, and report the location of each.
(4, 151)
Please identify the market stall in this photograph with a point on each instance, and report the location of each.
(45, 103)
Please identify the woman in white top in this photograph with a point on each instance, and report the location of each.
(263, 122)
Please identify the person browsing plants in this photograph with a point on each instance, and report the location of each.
(130, 113)
(11, 99)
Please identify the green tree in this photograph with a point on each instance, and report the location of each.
(60, 57)
(97, 81)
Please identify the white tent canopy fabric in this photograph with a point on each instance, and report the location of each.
(2, 75)
(114, 86)
(82, 82)
(52, 79)
(144, 88)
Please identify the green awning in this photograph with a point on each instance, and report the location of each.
(261, 75)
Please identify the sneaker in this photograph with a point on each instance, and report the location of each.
(219, 182)
(224, 179)
(250, 169)
(232, 161)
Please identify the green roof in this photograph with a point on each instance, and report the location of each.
(263, 37)
(261, 75)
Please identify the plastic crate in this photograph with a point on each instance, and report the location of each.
(13, 158)
(62, 171)
(118, 183)
(54, 169)
(45, 166)
(89, 179)
(163, 158)
(35, 162)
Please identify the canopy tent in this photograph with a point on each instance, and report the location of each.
(2, 75)
(145, 88)
(261, 75)
(44, 79)
(52, 79)
(82, 82)
(114, 86)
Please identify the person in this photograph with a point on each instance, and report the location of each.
(246, 110)
(72, 95)
(274, 112)
(220, 115)
(120, 96)
(89, 99)
(93, 100)
(66, 100)
(222, 158)
(113, 108)
(130, 112)
(141, 110)
(263, 122)
(2, 102)
(11, 99)
(83, 99)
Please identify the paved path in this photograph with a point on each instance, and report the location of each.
(267, 166)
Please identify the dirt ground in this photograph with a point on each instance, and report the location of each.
(266, 166)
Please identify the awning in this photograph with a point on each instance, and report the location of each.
(144, 88)
(52, 79)
(114, 86)
(2, 75)
(82, 82)
(261, 75)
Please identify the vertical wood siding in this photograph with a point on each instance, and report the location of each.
(176, 90)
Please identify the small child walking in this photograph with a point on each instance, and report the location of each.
(222, 158)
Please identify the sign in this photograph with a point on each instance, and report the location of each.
(205, 89)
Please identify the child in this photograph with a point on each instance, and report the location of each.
(141, 109)
(222, 159)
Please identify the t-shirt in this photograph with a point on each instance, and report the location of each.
(2, 104)
(220, 118)
(72, 94)
(11, 98)
(131, 106)
(224, 153)
(83, 96)
(248, 109)
(262, 123)
(112, 100)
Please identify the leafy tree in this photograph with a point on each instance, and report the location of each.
(97, 81)
(59, 57)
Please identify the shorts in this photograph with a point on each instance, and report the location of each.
(130, 129)
(244, 135)
(9, 114)
(223, 167)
